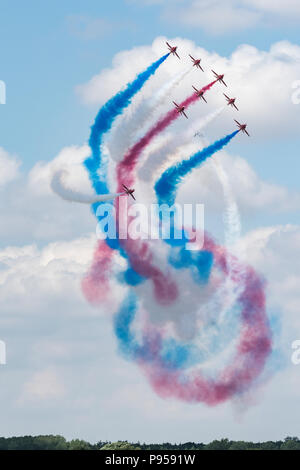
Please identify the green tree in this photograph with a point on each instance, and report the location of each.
(120, 445)
(270, 445)
(222, 444)
(240, 445)
(291, 443)
(77, 444)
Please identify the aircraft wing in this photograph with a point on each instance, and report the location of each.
(237, 122)
(201, 68)
(247, 133)
(223, 83)
(235, 107)
(184, 114)
(177, 55)
(204, 98)
(227, 97)
(177, 105)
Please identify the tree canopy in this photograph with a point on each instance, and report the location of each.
(51, 442)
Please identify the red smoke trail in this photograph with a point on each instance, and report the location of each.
(165, 289)
(127, 165)
(141, 260)
(253, 345)
(95, 284)
(252, 351)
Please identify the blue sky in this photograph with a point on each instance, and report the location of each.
(60, 61)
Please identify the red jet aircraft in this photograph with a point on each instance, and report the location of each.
(219, 78)
(196, 62)
(180, 109)
(173, 50)
(129, 191)
(230, 101)
(242, 127)
(199, 93)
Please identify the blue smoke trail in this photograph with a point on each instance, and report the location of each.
(104, 121)
(199, 262)
(166, 186)
(173, 355)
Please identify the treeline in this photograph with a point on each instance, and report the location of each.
(60, 443)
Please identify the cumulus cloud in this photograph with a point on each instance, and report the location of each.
(65, 348)
(9, 165)
(251, 192)
(69, 159)
(43, 385)
(274, 251)
(289, 8)
(219, 17)
(33, 212)
(216, 17)
(51, 275)
(261, 81)
(125, 66)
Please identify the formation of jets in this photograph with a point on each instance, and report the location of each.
(219, 78)
(181, 109)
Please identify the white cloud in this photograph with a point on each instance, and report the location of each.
(290, 8)
(274, 252)
(250, 191)
(43, 385)
(216, 17)
(9, 166)
(219, 17)
(125, 66)
(62, 350)
(31, 277)
(261, 81)
(33, 212)
(69, 158)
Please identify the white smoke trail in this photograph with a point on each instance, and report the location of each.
(228, 293)
(232, 224)
(69, 194)
(231, 215)
(165, 91)
(175, 148)
(125, 134)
